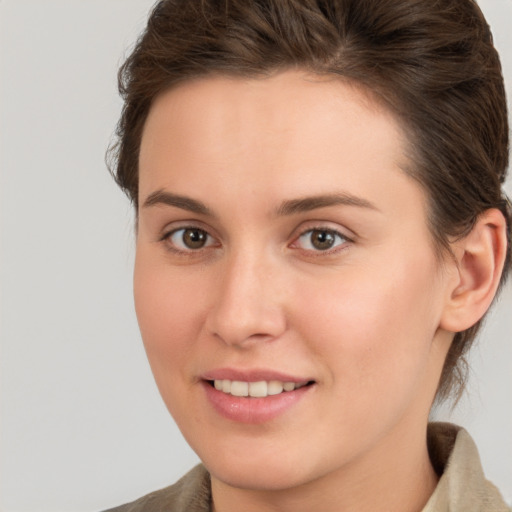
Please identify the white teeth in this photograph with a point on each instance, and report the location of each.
(239, 388)
(289, 386)
(259, 389)
(275, 387)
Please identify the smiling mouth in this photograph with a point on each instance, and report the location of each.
(259, 389)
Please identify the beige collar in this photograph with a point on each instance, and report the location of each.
(462, 486)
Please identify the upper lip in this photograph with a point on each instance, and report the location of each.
(252, 375)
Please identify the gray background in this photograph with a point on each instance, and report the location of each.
(82, 424)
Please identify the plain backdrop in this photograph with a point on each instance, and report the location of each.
(82, 425)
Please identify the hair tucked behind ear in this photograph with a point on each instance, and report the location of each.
(432, 62)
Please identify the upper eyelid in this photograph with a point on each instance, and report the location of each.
(324, 226)
(334, 231)
(303, 228)
(345, 243)
(165, 238)
(171, 227)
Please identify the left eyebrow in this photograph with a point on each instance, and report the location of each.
(306, 204)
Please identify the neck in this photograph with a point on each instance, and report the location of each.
(397, 475)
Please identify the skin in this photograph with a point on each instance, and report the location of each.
(363, 320)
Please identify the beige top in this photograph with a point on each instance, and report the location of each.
(461, 488)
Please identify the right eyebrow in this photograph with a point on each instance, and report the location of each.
(161, 197)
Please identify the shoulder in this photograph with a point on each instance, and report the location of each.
(189, 494)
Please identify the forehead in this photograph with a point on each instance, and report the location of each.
(289, 98)
(290, 134)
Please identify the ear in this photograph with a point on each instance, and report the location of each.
(479, 260)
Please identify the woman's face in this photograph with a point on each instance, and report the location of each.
(282, 252)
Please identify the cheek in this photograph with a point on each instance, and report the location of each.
(374, 329)
(168, 308)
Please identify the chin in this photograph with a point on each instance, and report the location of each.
(257, 477)
(263, 466)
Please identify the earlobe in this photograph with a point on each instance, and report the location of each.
(480, 257)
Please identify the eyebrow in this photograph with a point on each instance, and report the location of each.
(307, 204)
(185, 203)
(288, 207)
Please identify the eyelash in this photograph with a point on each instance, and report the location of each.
(167, 239)
(342, 239)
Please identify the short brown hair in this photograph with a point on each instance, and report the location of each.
(432, 63)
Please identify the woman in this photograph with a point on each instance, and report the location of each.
(320, 229)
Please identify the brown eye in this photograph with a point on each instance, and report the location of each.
(190, 239)
(320, 239)
(194, 238)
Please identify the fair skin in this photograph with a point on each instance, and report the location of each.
(280, 240)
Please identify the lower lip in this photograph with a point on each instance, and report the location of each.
(253, 410)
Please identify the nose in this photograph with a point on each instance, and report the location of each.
(249, 302)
